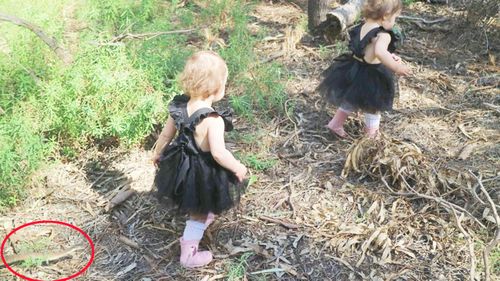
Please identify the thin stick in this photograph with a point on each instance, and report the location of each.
(278, 221)
(426, 21)
(440, 201)
(492, 106)
(470, 243)
(147, 35)
(348, 265)
(482, 88)
(46, 257)
(494, 241)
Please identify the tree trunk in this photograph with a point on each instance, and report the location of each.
(316, 13)
(50, 41)
(340, 18)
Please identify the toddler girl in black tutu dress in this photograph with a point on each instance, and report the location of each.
(364, 80)
(195, 170)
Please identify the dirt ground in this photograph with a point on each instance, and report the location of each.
(416, 204)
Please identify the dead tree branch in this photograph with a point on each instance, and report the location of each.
(62, 53)
(148, 35)
(496, 239)
(426, 21)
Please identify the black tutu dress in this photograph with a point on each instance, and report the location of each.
(352, 83)
(190, 177)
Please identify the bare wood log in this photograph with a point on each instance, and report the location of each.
(61, 52)
(316, 12)
(342, 17)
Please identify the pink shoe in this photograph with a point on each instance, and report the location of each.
(190, 257)
(210, 219)
(336, 125)
(371, 132)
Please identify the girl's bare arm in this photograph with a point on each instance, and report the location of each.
(166, 136)
(218, 148)
(383, 40)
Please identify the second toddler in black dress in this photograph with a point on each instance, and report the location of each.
(364, 80)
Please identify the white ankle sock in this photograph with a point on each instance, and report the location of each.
(194, 230)
(372, 120)
(348, 112)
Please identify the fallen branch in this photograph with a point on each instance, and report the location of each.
(278, 221)
(119, 198)
(482, 88)
(426, 21)
(129, 242)
(494, 241)
(438, 200)
(50, 41)
(428, 28)
(492, 106)
(147, 35)
(470, 242)
(46, 257)
(348, 265)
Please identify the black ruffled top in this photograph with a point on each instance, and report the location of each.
(358, 45)
(190, 177)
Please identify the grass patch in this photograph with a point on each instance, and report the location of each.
(257, 162)
(33, 262)
(237, 270)
(495, 261)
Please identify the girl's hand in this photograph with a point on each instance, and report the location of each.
(395, 57)
(156, 159)
(403, 70)
(241, 172)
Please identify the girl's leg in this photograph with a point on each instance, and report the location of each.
(336, 125)
(372, 124)
(210, 218)
(195, 228)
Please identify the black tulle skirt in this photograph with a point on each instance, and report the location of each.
(358, 86)
(195, 182)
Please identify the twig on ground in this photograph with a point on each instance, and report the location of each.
(492, 106)
(470, 242)
(439, 200)
(128, 242)
(147, 35)
(426, 21)
(290, 195)
(496, 239)
(46, 257)
(278, 221)
(348, 265)
(482, 88)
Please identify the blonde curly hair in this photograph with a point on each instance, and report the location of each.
(377, 9)
(204, 74)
